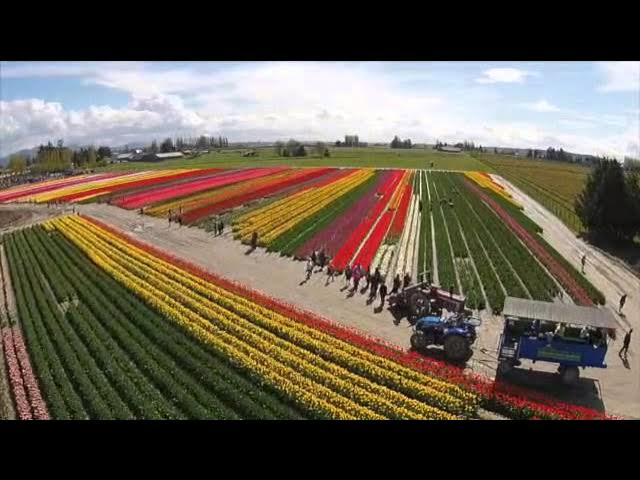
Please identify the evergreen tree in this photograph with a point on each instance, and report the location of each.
(608, 205)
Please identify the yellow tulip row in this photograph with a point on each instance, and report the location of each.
(287, 356)
(91, 185)
(399, 192)
(308, 361)
(281, 205)
(302, 390)
(279, 218)
(270, 331)
(293, 330)
(486, 183)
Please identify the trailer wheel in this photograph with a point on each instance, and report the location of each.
(418, 341)
(456, 348)
(569, 375)
(418, 303)
(504, 367)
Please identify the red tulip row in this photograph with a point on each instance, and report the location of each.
(24, 386)
(346, 252)
(140, 199)
(369, 249)
(247, 196)
(577, 293)
(511, 401)
(401, 214)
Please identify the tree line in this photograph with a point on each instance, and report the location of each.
(181, 143)
(52, 158)
(609, 205)
(398, 143)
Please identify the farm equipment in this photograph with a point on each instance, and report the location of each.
(424, 299)
(456, 333)
(569, 335)
(439, 317)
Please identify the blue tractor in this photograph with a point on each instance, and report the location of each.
(456, 333)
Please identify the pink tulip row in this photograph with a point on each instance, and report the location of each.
(336, 233)
(24, 386)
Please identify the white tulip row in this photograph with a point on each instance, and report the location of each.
(385, 263)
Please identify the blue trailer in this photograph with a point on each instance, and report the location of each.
(569, 335)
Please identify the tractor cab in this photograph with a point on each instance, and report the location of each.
(569, 335)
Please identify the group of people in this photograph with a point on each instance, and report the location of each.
(375, 282)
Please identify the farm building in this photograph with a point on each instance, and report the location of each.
(125, 157)
(158, 157)
(450, 149)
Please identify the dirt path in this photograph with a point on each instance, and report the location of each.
(620, 385)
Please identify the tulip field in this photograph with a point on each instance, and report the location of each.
(463, 230)
(116, 329)
(108, 327)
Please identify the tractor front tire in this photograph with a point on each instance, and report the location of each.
(418, 341)
(456, 349)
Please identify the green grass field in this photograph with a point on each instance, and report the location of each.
(372, 157)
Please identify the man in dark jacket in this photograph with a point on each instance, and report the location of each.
(347, 274)
(407, 280)
(625, 343)
(383, 293)
(396, 284)
(254, 240)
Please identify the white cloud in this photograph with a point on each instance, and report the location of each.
(275, 100)
(504, 75)
(541, 106)
(620, 76)
(26, 123)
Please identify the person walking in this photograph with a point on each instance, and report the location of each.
(314, 258)
(625, 343)
(221, 227)
(377, 277)
(357, 274)
(254, 240)
(180, 220)
(367, 277)
(347, 274)
(407, 280)
(309, 269)
(383, 293)
(330, 274)
(396, 284)
(623, 300)
(374, 289)
(584, 261)
(322, 258)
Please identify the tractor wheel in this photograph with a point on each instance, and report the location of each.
(456, 348)
(569, 375)
(418, 341)
(418, 304)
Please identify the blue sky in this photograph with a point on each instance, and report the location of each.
(585, 107)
